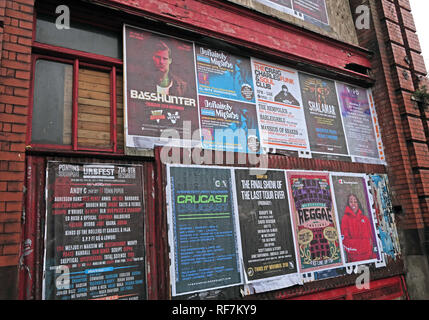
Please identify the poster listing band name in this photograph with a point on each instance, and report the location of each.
(161, 90)
(202, 230)
(94, 232)
(280, 109)
(265, 224)
(357, 119)
(322, 115)
(315, 224)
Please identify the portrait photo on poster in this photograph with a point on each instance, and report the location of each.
(356, 219)
(160, 87)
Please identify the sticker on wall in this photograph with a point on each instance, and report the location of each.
(315, 223)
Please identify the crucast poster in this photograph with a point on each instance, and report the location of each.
(281, 114)
(355, 217)
(160, 89)
(228, 125)
(322, 115)
(357, 119)
(94, 242)
(202, 235)
(265, 224)
(224, 75)
(315, 223)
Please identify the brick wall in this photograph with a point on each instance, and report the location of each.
(396, 65)
(15, 67)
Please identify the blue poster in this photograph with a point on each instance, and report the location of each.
(203, 234)
(224, 75)
(228, 125)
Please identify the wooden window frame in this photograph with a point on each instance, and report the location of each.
(77, 59)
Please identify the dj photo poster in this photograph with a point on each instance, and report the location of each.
(357, 224)
(203, 239)
(315, 223)
(160, 88)
(94, 234)
(265, 224)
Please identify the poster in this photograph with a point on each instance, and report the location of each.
(280, 108)
(322, 114)
(315, 224)
(203, 237)
(94, 241)
(313, 10)
(265, 223)
(357, 119)
(228, 125)
(355, 217)
(224, 75)
(386, 225)
(160, 89)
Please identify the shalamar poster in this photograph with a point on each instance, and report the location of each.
(315, 223)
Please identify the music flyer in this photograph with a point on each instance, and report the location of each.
(315, 223)
(94, 247)
(280, 108)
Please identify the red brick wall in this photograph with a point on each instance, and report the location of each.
(396, 65)
(15, 66)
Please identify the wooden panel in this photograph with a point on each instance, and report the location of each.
(94, 114)
(120, 111)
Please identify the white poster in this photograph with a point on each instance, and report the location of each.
(280, 110)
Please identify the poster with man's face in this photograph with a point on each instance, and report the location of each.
(160, 88)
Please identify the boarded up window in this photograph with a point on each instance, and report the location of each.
(94, 103)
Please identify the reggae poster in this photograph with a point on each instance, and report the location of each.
(160, 90)
(355, 216)
(202, 234)
(315, 225)
(322, 115)
(265, 224)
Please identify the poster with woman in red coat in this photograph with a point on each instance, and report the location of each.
(357, 228)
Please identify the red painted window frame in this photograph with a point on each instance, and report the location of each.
(76, 58)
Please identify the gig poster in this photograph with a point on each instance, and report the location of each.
(386, 225)
(160, 90)
(265, 223)
(323, 116)
(94, 235)
(228, 125)
(281, 114)
(315, 223)
(357, 228)
(224, 75)
(203, 237)
(357, 119)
